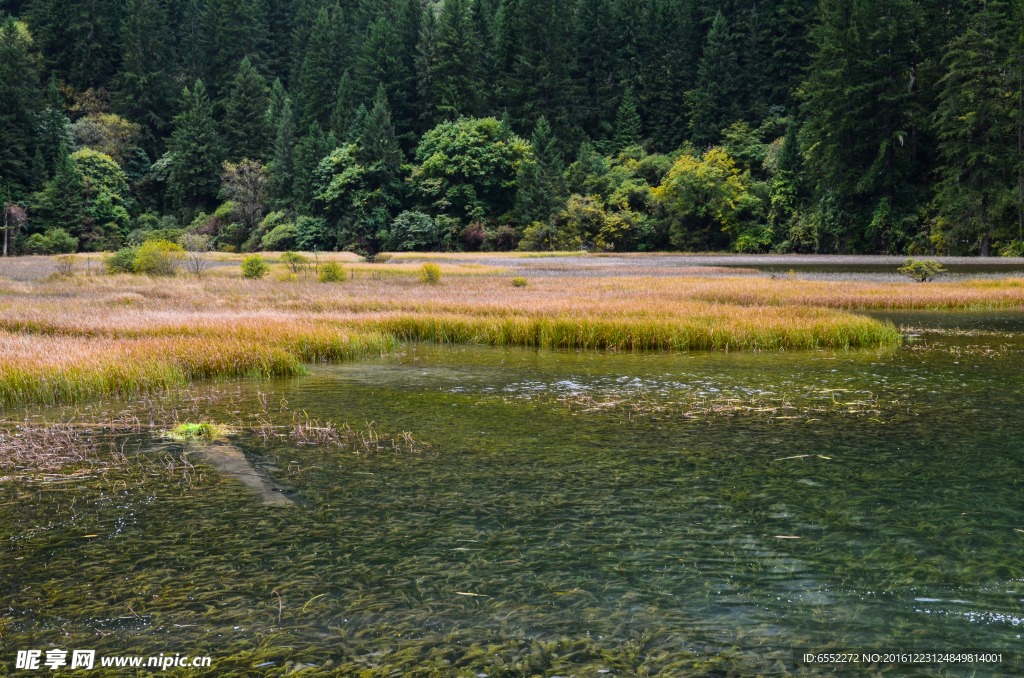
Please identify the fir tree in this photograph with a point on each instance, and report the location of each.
(245, 130)
(232, 30)
(195, 151)
(716, 97)
(377, 147)
(628, 130)
(595, 67)
(54, 128)
(311, 148)
(142, 86)
(93, 44)
(382, 62)
(19, 102)
(316, 89)
(972, 120)
(344, 106)
(427, 90)
(788, 51)
(667, 79)
(61, 204)
(457, 76)
(282, 164)
(540, 183)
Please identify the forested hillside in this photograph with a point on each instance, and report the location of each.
(867, 126)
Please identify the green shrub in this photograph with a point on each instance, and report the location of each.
(121, 261)
(254, 268)
(54, 241)
(294, 260)
(921, 271)
(430, 274)
(519, 282)
(331, 272)
(379, 258)
(65, 265)
(281, 237)
(158, 257)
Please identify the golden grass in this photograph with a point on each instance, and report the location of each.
(72, 339)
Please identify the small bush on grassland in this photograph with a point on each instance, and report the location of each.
(254, 268)
(121, 261)
(430, 274)
(379, 258)
(65, 265)
(158, 257)
(519, 282)
(294, 260)
(54, 241)
(331, 272)
(921, 271)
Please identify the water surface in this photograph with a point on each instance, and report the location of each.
(576, 513)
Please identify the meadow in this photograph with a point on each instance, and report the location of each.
(64, 339)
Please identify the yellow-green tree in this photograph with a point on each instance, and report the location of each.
(703, 193)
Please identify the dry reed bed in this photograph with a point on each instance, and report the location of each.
(66, 341)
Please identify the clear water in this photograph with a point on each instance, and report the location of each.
(607, 512)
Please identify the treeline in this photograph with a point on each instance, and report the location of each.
(849, 126)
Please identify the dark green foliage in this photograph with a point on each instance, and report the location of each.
(61, 204)
(246, 131)
(451, 62)
(309, 150)
(382, 63)
(317, 85)
(715, 101)
(540, 184)
(142, 87)
(19, 102)
(232, 30)
(195, 152)
(282, 164)
(628, 130)
(972, 121)
(53, 127)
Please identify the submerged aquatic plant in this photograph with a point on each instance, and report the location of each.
(190, 431)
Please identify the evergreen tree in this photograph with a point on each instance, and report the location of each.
(61, 204)
(427, 90)
(282, 164)
(716, 97)
(628, 130)
(19, 103)
(377, 147)
(456, 78)
(355, 128)
(344, 106)
(195, 152)
(382, 62)
(232, 30)
(142, 85)
(539, 80)
(311, 148)
(972, 121)
(54, 128)
(316, 89)
(667, 79)
(188, 39)
(788, 50)
(93, 43)
(595, 67)
(245, 130)
(632, 20)
(540, 182)
(754, 84)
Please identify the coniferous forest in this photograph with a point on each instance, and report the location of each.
(830, 126)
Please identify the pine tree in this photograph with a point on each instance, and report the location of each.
(61, 204)
(232, 30)
(753, 82)
(142, 85)
(427, 90)
(355, 128)
(632, 20)
(282, 164)
(244, 131)
(19, 102)
(540, 184)
(539, 81)
(53, 127)
(311, 148)
(972, 120)
(595, 67)
(788, 51)
(188, 39)
(316, 89)
(628, 130)
(195, 152)
(456, 79)
(377, 147)
(667, 79)
(382, 62)
(93, 44)
(344, 106)
(716, 97)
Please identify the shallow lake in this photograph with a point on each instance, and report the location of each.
(575, 514)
